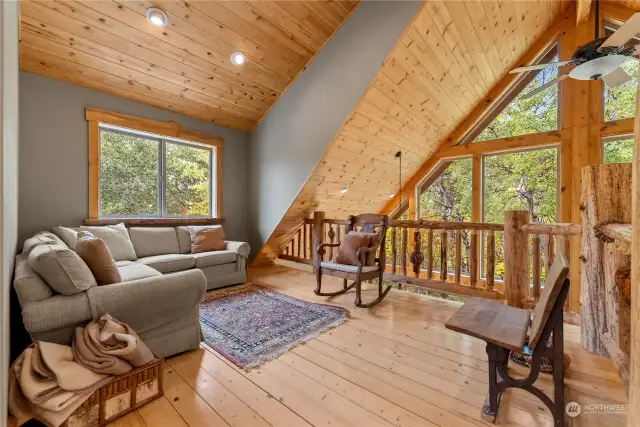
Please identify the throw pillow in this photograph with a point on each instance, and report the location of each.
(205, 239)
(117, 239)
(95, 253)
(349, 247)
(63, 270)
(370, 258)
(68, 235)
(36, 240)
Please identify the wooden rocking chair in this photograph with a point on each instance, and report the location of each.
(504, 329)
(369, 223)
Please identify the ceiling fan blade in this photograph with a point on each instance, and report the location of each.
(616, 78)
(544, 86)
(626, 32)
(540, 66)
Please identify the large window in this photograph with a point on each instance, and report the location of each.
(524, 180)
(143, 175)
(620, 101)
(618, 149)
(517, 116)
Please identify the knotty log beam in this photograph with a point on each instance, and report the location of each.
(605, 197)
(516, 258)
(615, 231)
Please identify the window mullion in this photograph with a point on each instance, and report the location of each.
(161, 178)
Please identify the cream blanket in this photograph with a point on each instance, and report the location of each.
(46, 383)
(108, 346)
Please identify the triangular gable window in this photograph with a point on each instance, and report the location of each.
(512, 116)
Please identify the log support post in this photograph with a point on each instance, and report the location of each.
(318, 235)
(605, 197)
(516, 257)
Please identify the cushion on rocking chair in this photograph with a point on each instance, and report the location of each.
(347, 268)
(370, 257)
(349, 248)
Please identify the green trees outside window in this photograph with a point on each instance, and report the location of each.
(618, 150)
(147, 177)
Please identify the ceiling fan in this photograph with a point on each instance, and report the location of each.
(598, 59)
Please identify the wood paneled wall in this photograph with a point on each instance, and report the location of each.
(109, 46)
(449, 59)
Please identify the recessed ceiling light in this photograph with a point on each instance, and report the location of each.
(237, 58)
(157, 17)
(391, 195)
(344, 189)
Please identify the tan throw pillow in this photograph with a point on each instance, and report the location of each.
(95, 253)
(370, 258)
(205, 239)
(349, 247)
(117, 239)
(63, 270)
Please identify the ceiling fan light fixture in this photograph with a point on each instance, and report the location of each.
(157, 17)
(597, 67)
(237, 58)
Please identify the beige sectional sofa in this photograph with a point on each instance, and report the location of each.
(159, 296)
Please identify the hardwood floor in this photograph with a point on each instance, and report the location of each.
(393, 365)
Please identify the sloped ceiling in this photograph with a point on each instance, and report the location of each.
(109, 46)
(447, 60)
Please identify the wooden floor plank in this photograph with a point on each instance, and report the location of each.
(394, 364)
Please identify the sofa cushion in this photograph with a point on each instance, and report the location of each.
(96, 255)
(168, 263)
(184, 239)
(135, 271)
(63, 270)
(37, 239)
(207, 239)
(28, 284)
(117, 239)
(207, 259)
(68, 235)
(149, 241)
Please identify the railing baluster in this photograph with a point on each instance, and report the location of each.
(535, 264)
(444, 236)
(403, 254)
(473, 259)
(299, 243)
(310, 241)
(458, 271)
(416, 257)
(332, 236)
(550, 252)
(429, 254)
(394, 250)
(491, 259)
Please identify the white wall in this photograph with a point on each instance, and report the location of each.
(8, 178)
(291, 139)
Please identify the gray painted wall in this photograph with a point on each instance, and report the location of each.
(54, 151)
(289, 142)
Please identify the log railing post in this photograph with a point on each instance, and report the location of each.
(394, 250)
(416, 256)
(429, 254)
(318, 235)
(516, 257)
(473, 258)
(458, 268)
(491, 259)
(443, 255)
(403, 251)
(535, 260)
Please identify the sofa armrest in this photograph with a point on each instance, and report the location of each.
(145, 304)
(241, 248)
(57, 312)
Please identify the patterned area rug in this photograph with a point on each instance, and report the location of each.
(252, 325)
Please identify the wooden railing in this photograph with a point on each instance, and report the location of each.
(454, 257)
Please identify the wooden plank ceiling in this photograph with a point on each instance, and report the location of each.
(109, 46)
(447, 60)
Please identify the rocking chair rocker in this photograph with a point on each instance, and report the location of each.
(369, 223)
(504, 329)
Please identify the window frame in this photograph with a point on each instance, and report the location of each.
(173, 133)
(160, 173)
(431, 177)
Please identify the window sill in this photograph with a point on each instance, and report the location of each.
(153, 221)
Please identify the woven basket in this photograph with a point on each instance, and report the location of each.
(121, 395)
